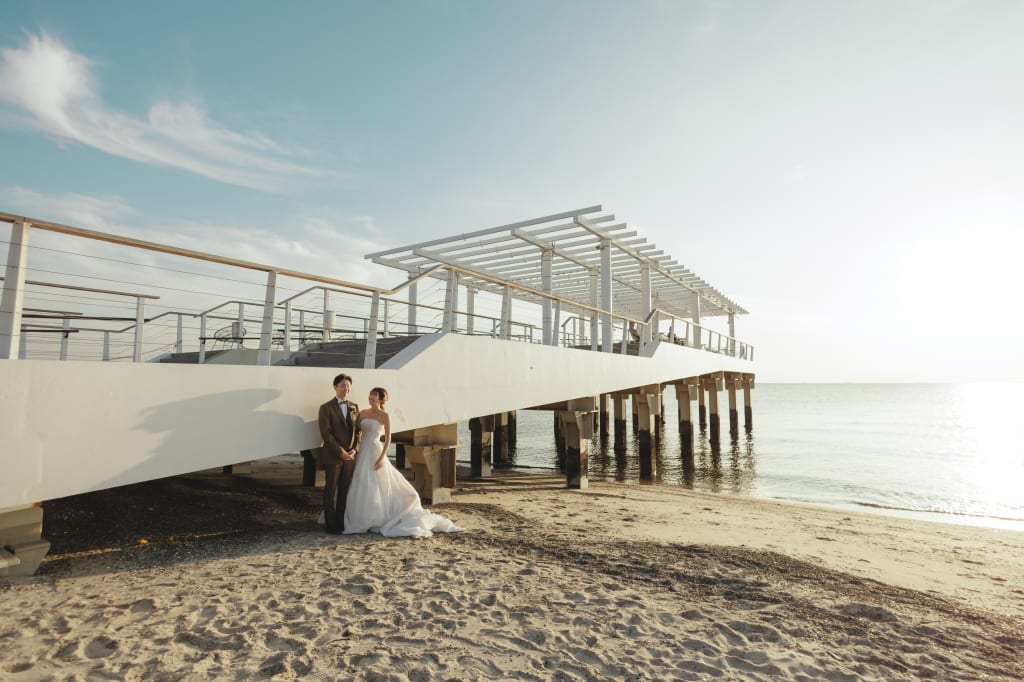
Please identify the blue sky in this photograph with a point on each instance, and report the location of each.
(850, 172)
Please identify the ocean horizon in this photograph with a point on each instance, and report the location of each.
(946, 452)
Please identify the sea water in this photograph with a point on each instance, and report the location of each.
(944, 452)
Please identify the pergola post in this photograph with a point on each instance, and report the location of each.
(545, 304)
(594, 336)
(696, 320)
(645, 304)
(451, 302)
(555, 329)
(732, 334)
(412, 328)
(506, 313)
(606, 296)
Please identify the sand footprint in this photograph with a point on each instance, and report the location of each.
(866, 611)
(143, 607)
(358, 588)
(278, 643)
(101, 647)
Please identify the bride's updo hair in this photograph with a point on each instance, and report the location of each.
(381, 393)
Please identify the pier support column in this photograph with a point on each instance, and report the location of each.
(647, 406)
(22, 546)
(578, 429)
(636, 411)
(702, 410)
(619, 407)
(734, 416)
(559, 441)
(713, 384)
(659, 414)
(480, 429)
(512, 430)
(748, 413)
(602, 419)
(431, 452)
(499, 441)
(684, 394)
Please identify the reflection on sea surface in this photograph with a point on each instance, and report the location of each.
(946, 452)
(729, 466)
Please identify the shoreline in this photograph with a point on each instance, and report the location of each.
(952, 518)
(234, 580)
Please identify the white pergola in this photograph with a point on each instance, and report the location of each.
(580, 257)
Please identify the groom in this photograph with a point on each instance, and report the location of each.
(339, 427)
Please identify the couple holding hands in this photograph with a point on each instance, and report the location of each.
(364, 492)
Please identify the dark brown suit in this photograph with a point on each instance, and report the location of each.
(338, 433)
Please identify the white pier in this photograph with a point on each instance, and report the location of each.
(105, 382)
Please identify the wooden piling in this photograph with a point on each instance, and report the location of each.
(685, 410)
(748, 413)
(647, 407)
(603, 422)
(702, 410)
(499, 441)
(714, 419)
(575, 447)
(734, 416)
(480, 446)
(619, 406)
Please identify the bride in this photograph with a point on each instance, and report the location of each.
(380, 499)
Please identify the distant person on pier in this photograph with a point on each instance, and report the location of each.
(339, 428)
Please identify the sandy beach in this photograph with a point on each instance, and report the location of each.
(213, 577)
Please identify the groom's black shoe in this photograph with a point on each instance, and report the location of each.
(333, 531)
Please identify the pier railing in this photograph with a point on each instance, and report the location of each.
(278, 328)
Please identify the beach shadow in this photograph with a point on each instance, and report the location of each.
(172, 520)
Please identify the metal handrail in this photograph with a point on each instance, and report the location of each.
(353, 288)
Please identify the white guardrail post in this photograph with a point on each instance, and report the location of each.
(370, 359)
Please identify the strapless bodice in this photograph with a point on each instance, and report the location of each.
(369, 423)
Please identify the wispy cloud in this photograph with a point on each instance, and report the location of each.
(326, 246)
(102, 213)
(48, 87)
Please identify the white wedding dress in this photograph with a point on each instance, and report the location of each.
(382, 500)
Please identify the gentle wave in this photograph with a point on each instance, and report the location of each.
(947, 512)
